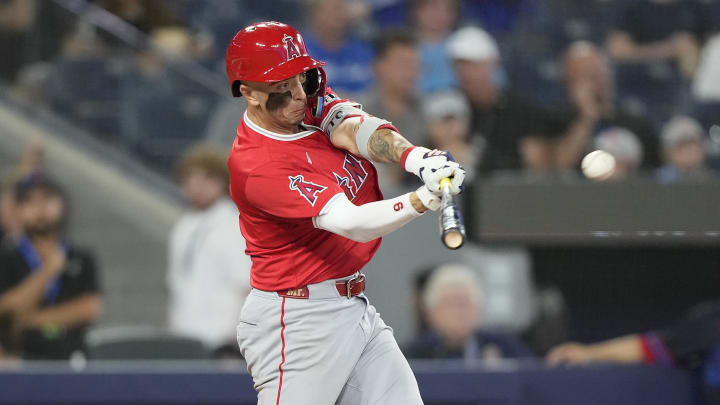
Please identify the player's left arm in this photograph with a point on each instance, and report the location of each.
(379, 141)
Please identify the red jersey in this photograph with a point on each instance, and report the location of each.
(279, 183)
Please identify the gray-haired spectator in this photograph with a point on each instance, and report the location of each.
(684, 151)
(453, 300)
(625, 147)
(447, 114)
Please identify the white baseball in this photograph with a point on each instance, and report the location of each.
(598, 165)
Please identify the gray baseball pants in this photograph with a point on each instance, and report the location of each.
(323, 350)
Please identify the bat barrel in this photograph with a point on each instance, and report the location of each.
(452, 229)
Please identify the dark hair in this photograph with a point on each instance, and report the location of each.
(36, 181)
(391, 37)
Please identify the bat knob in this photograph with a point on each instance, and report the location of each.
(453, 239)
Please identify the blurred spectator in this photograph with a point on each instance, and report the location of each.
(394, 96)
(448, 127)
(517, 133)
(684, 151)
(208, 273)
(16, 21)
(453, 301)
(625, 147)
(658, 30)
(692, 342)
(348, 59)
(397, 67)
(31, 162)
(48, 286)
(591, 91)
(433, 21)
(706, 86)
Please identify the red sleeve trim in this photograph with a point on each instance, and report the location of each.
(404, 156)
(388, 126)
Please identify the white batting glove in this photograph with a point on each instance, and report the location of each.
(429, 199)
(432, 166)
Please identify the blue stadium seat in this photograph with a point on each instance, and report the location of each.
(89, 92)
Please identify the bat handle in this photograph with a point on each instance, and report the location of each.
(452, 229)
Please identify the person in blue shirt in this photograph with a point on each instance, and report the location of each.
(348, 59)
(434, 20)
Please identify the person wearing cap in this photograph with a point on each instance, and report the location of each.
(49, 288)
(447, 114)
(684, 151)
(517, 132)
(590, 86)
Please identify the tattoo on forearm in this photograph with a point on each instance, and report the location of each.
(387, 146)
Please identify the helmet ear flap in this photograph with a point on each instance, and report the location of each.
(236, 89)
(313, 82)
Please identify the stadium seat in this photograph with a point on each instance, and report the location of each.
(88, 91)
(142, 343)
(657, 86)
(160, 125)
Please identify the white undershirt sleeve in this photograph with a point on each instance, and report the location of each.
(363, 223)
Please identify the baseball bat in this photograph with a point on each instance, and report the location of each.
(452, 229)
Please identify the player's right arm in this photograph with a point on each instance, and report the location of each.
(376, 139)
(285, 191)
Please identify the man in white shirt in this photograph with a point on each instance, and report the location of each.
(208, 275)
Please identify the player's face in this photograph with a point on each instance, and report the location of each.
(285, 101)
(41, 213)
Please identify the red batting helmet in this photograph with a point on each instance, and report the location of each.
(271, 52)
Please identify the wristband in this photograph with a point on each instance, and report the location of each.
(412, 162)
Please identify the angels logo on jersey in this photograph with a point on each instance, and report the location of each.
(356, 176)
(292, 49)
(307, 189)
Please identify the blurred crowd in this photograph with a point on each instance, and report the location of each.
(504, 85)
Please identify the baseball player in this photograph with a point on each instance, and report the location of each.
(302, 176)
